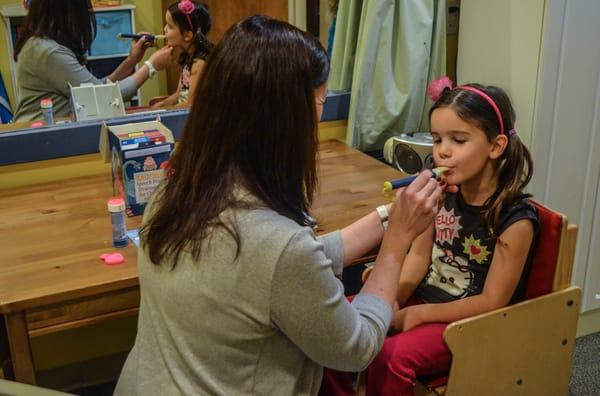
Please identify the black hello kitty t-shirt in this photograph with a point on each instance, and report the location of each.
(463, 248)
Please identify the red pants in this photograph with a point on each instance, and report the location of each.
(419, 352)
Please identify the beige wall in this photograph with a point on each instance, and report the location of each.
(499, 44)
(297, 13)
(148, 17)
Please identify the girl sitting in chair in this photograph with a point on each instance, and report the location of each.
(187, 24)
(475, 256)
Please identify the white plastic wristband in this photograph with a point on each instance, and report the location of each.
(383, 216)
(151, 69)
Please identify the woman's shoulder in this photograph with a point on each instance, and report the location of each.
(43, 46)
(270, 221)
(267, 227)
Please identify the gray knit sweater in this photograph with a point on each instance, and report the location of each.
(262, 324)
(44, 70)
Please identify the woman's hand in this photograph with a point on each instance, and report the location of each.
(415, 207)
(161, 58)
(138, 49)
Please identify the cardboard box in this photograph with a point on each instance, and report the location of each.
(139, 154)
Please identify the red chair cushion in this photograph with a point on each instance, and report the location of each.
(545, 258)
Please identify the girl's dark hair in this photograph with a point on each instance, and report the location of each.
(71, 23)
(515, 166)
(201, 24)
(254, 127)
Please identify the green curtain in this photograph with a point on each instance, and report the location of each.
(386, 52)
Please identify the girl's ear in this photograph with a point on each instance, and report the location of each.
(498, 146)
(188, 35)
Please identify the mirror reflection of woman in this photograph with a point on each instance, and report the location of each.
(51, 53)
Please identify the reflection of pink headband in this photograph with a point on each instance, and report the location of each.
(187, 7)
(436, 87)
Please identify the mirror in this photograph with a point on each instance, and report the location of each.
(20, 142)
(107, 52)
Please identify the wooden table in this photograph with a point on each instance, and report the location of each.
(51, 237)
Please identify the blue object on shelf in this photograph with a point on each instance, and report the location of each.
(109, 24)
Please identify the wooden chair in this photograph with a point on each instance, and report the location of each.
(525, 348)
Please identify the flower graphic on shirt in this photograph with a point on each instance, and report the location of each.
(447, 225)
(475, 250)
(186, 77)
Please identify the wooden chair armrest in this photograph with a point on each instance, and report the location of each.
(156, 99)
(516, 350)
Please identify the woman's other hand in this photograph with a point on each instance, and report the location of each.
(161, 58)
(139, 47)
(415, 207)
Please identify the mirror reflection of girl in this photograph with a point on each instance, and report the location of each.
(51, 53)
(187, 24)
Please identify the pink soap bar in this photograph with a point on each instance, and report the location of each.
(112, 258)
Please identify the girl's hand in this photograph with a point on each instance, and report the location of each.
(406, 319)
(138, 48)
(415, 207)
(161, 58)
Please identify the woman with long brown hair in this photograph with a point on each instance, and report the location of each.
(51, 54)
(238, 296)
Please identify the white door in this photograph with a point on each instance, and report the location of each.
(566, 133)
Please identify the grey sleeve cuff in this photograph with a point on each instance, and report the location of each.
(376, 310)
(334, 250)
(128, 87)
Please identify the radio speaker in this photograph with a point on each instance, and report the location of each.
(409, 152)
